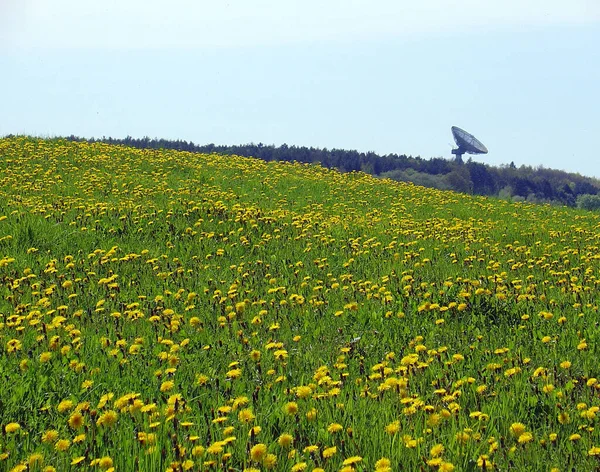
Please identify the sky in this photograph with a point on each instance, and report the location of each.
(389, 76)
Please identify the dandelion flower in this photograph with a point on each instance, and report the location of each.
(64, 405)
(352, 460)
(299, 467)
(563, 418)
(105, 462)
(290, 408)
(383, 465)
(258, 452)
(77, 460)
(393, 428)
(329, 452)
(50, 436)
(12, 428)
(525, 438)
(285, 440)
(76, 420)
(437, 450)
(269, 461)
(108, 419)
(35, 459)
(198, 451)
(334, 428)
(246, 415)
(303, 391)
(62, 445)
(517, 429)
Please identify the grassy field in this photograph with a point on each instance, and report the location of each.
(167, 311)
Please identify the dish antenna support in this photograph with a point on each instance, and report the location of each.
(467, 143)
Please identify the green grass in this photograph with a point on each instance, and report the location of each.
(393, 303)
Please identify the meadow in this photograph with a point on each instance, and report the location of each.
(170, 311)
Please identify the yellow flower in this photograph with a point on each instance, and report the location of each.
(525, 438)
(64, 405)
(197, 451)
(393, 428)
(334, 428)
(246, 415)
(517, 429)
(352, 460)
(62, 445)
(311, 414)
(285, 440)
(269, 461)
(108, 419)
(50, 436)
(202, 379)
(258, 452)
(329, 452)
(167, 385)
(77, 460)
(13, 345)
(215, 448)
(383, 465)
(234, 373)
(437, 450)
(45, 356)
(563, 418)
(445, 467)
(105, 462)
(254, 431)
(434, 419)
(35, 459)
(290, 408)
(76, 420)
(254, 355)
(484, 462)
(12, 428)
(299, 467)
(303, 391)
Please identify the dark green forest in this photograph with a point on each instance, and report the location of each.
(534, 184)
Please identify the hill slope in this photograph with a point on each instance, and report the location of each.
(161, 310)
(537, 185)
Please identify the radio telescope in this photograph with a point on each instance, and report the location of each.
(467, 143)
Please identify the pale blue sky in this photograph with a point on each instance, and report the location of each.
(379, 75)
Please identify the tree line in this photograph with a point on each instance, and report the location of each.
(535, 184)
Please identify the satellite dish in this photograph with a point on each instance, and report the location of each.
(467, 143)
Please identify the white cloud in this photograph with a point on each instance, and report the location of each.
(189, 23)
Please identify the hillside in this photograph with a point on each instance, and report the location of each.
(166, 310)
(536, 185)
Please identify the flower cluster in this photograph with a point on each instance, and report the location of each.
(164, 310)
